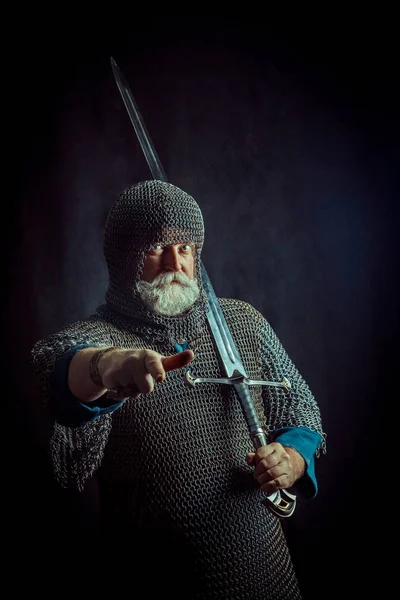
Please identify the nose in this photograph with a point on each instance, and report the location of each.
(172, 259)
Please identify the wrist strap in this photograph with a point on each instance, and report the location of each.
(93, 365)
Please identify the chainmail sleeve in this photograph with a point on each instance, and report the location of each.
(296, 408)
(75, 452)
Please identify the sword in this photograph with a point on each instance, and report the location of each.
(281, 502)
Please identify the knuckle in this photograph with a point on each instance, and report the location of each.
(147, 384)
(276, 446)
(152, 359)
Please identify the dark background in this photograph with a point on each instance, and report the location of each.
(287, 136)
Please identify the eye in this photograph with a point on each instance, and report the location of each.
(186, 248)
(155, 249)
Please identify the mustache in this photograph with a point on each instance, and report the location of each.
(168, 278)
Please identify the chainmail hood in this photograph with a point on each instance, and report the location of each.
(146, 213)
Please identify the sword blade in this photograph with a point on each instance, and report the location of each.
(229, 354)
(149, 151)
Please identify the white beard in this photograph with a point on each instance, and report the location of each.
(167, 298)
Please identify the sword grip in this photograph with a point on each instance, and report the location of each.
(281, 503)
(257, 433)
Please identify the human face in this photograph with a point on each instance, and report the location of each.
(166, 259)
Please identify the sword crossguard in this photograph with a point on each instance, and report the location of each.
(236, 378)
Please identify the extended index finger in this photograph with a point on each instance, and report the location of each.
(177, 360)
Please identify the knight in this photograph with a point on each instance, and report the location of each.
(181, 486)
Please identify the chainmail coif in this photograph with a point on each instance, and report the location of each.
(171, 464)
(144, 214)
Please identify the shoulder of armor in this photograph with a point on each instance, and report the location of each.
(239, 309)
(85, 330)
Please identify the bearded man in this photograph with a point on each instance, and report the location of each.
(180, 485)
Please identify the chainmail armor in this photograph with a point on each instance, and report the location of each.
(171, 464)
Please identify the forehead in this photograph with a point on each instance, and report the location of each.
(170, 236)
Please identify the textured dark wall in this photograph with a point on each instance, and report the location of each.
(287, 138)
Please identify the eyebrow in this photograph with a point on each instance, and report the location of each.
(192, 245)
